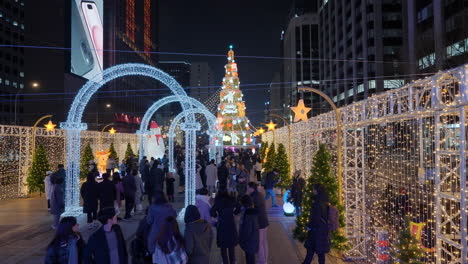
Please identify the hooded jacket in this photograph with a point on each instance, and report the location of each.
(198, 236)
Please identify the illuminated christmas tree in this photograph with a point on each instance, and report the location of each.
(231, 109)
(37, 172)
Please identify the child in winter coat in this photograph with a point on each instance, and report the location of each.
(170, 186)
(249, 230)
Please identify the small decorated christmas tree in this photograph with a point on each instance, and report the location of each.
(321, 173)
(282, 164)
(113, 153)
(407, 249)
(270, 162)
(231, 109)
(86, 157)
(129, 151)
(37, 172)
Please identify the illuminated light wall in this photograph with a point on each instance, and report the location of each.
(15, 157)
(130, 20)
(404, 155)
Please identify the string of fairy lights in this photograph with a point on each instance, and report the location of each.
(413, 139)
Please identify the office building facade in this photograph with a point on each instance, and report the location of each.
(202, 82)
(12, 60)
(436, 36)
(361, 47)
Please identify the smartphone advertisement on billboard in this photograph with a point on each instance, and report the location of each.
(87, 37)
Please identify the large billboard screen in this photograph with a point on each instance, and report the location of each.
(86, 37)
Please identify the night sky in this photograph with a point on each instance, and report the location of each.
(209, 26)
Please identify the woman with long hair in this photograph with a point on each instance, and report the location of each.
(169, 244)
(158, 212)
(119, 191)
(67, 246)
(224, 208)
(318, 241)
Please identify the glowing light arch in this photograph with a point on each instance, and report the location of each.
(73, 125)
(170, 99)
(212, 132)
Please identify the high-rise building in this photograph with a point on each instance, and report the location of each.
(131, 36)
(360, 48)
(299, 45)
(100, 34)
(12, 59)
(180, 71)
(435, 35)
(202, 81)
(300, 42)
(275, 104)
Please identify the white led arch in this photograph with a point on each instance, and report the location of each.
(73, 125)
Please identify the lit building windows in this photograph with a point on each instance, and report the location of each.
(426, 61)
(392, 84)
(130, 20)
(147, 26)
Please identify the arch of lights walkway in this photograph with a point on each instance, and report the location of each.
(74, 126)
(211, 132)
(215, 148)
(405, 141)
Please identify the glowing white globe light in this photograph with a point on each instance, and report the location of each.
(288, 209)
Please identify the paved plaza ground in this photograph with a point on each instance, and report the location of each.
(25, 231)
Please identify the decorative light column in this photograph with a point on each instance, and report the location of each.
(190, 157)
(72, 180)
(212, 134)
(171, 137)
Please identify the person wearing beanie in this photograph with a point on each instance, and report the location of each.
(198, 236)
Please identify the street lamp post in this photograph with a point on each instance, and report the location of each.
(339, 132)
(16, 103)
(33, 133)
(112, 131)
(289, 140)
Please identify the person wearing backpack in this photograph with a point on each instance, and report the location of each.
(169, 248)
(318, 241)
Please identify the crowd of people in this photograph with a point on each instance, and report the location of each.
(224, 192)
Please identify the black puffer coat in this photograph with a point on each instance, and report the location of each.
(248, 231)
(225, 209)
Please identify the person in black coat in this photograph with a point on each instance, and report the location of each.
(107, 193)
(249, 237)
(259, 203)
(156, 177)
(224, 208)
(223, 174)
(318, 238)
(89, 193)
(129, 185)
(107, 244)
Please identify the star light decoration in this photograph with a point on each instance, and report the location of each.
(271, 126)
(112, 131)
(300, 111)
(50, 126)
